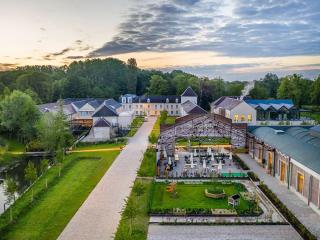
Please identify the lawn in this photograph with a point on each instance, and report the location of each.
(191, 196)
(154, 135)
(170, 120)
(13, 144)
(135, 125)
(105, 145)
(203, 141)
(53, 208)
(141, 223)
(148, 165)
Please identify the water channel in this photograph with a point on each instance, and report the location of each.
(17, 173)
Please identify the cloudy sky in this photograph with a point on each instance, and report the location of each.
(234, 39)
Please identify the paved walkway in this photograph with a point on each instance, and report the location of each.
(99, 215)
(230, 232)
(300, 209)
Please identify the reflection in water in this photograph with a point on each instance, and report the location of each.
(17, 173)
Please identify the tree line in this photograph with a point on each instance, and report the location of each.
(110, 78)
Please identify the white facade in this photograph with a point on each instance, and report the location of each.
(242, 113)
(153, 109)
(101, 133)
(191, 99)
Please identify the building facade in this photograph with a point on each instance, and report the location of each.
(154, 105)
(292, 156)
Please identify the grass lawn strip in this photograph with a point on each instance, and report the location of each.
(135, 125)
(191, 196)
(148, 165)
(49, 214)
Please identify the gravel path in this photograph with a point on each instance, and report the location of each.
(99, 215)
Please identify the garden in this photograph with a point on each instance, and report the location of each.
(194, 200)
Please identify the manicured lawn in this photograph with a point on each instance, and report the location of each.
(156, 128)
(193, 196)
(135, 125)
(170, 120)
(53, 208)
(141, 223)
(100, 146)
(148, 165)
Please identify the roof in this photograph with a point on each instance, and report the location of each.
(270, 103)
(227, 103)
(105, 111)
(54, 108)
(305, 135)
(102, 123)
(292, 144)
(113, 103)
(189, 93)
(191, 108)
(157, 99)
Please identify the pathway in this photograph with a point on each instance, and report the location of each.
(99, 215)
(230, 232)
(300, 209)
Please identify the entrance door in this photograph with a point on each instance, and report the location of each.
(283, 172)
(300, 183)
(270, 163)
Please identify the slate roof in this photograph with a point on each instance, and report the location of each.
(227, 103)
(157, 99)
(105, 111)
(191, 108)
(113, 103)
(102, 123)
(293, 145)
(189, 93)
(270, 103)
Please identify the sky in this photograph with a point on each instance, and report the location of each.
(232, 39)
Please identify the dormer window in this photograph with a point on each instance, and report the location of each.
(123, 100)
(177, 100)
(167, 100)
(129, 99)
(148, 100)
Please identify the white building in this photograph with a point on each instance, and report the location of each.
(237, 110)
(153, 105)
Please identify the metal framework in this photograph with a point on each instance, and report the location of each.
(208, 125)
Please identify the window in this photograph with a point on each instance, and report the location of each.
(123, 100)
(137, 112)
(156, 106)
(177, 100)
(249, 118)
(141, 113)
(167, 100)
(177, 106)
(243, 118)
(177, 112)
(148, 100)
(171, 106)
(129, 99)
(148, 106)
(140, 106)
(172, 112)
(130, 106)
(236, 117)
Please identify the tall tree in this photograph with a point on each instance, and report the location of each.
(19, 114)
(30, 175)
(315, 93)
(158, 85)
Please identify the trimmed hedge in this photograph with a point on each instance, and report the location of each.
(254, 177)
(240, 162)
(299, 227)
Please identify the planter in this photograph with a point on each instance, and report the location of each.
(214, 195)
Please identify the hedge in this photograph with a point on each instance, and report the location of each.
(292, 219)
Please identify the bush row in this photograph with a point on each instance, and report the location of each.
(300, 228)
(254, 177)
(240, 162)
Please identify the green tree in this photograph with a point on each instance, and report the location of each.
(163, 117)
(130, 213)
(138, 189)
(30, 175)
(10, 191)
(19, 114)
(153, 138)
(315, 93)
(44, 168)
(259, 92)
(158, 85)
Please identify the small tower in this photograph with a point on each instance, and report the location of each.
(189, 95)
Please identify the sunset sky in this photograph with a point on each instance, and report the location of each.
(234, 39)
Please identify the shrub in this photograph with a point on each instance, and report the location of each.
(215, 190)
(254, 177)
(240, 162)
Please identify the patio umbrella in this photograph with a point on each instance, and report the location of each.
(169, 162)
(208, 150)
(220, 166)
(195, 153)
(164, 153)
(230, 156)
(158, 155)
(204, 165)
(191, 161)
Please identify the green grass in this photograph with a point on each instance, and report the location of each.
(135, 125)
(141, 223)
(52, 209)
(148, 165)
(170, 120)
(100, 145)
(192, 196)
(155, 130)
(13, 144)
